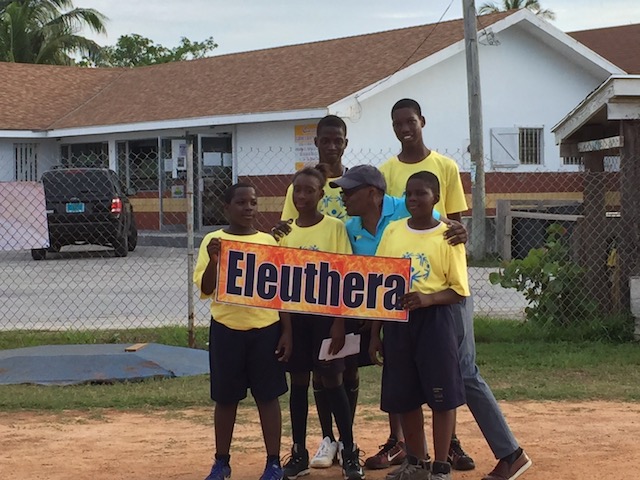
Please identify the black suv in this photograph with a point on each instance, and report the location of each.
(87, 205)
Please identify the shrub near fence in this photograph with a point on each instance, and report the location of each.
(86, 287)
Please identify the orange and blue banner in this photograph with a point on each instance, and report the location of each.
(308, 281)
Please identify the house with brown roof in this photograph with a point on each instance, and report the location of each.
(252, 114)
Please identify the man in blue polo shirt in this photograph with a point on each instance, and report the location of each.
(363, 194)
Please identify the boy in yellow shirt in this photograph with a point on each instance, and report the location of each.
(421, 357)
(247, 346)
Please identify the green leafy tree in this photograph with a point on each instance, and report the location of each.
(47, 31)
(135, 50)
(533, 5)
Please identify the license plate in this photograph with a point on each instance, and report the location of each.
(75, 207)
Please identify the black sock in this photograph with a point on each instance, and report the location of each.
(324, 410)
(513, 457)
(440, 467)
(223, 458)
(273, 459)
(299, 409)
(342, 413)
(352, 386)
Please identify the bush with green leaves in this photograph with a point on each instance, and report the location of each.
(551, 282)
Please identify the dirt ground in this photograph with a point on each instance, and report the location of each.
(565, 440)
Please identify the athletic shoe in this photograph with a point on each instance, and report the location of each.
(458, 458)
(325, 455)
(220, 470)
(351, 468)
(506, 471)
(411, 471)
(297, 465)
(441, 471)
(391, 453)
(340, 450)
(272, 471)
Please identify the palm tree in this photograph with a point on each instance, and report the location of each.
(41, 31)
(533, 5)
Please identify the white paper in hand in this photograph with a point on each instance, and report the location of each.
(351, 347)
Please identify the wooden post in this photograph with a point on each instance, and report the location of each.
(629, 207)
(594, 226)
(503, 229)
(478, 218)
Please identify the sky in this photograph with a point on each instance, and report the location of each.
(242, 25)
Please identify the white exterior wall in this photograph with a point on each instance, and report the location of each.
(524, 84)
(266, 148)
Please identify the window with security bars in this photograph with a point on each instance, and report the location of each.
(577, 160)
(26, 161)
(530, 146)
(515, 146)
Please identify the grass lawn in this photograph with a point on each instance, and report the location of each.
(518, 362)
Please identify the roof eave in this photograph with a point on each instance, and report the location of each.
(185, 123)
(616, 87)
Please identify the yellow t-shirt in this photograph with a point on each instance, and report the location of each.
(235, 317)
(452, 199)
(328, 235)
(435, 265)
(330, 204)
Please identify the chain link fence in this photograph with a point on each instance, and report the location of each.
(552, 243)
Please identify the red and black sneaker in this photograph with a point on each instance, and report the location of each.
(458, 458)
(391, 453)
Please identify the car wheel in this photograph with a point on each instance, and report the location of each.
(133, 235)
(54, 248)
(121, 246)
(38, 253)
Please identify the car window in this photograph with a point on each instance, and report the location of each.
(73, 183)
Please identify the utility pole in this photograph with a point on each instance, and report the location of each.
(478, 220)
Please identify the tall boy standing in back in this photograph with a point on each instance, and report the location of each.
(408, 123)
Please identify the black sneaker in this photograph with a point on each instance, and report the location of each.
(297, 465)
(351, 467)
(458, 458)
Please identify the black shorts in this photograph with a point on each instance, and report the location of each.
(308, 332)
(242, 359)
(421, 362)
(362, 328)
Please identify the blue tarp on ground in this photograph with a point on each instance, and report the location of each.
(74, 364)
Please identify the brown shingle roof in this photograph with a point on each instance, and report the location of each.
(620, 45)
(32, 97)
(310, 75)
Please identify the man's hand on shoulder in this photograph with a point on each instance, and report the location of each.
(455, 232)
(281, 229)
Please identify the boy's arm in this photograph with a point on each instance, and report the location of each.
(337, 335)
(375, 343)
(414, 300)
(285, 344)
(209, 276)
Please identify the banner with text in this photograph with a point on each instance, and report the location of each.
(308, 281)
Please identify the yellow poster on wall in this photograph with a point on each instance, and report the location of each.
(306, 153)
(308, 281)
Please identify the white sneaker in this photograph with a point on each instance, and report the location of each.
(325, 454)
(340, 449)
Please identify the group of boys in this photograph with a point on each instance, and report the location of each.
(411, 207)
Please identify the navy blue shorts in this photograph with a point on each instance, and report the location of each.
(242, 359)
(308, 332)
(421, 362)
(362, 328)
